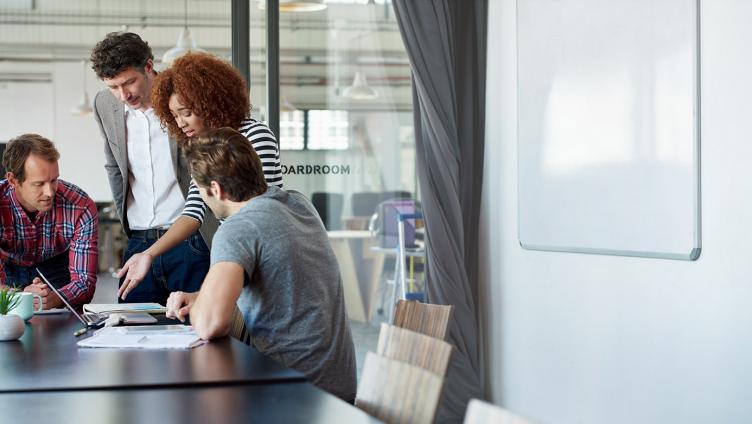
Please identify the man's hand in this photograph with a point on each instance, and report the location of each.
(49, 299)
(135, 270)
(179, 304)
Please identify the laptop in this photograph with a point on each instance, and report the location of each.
(89, 319)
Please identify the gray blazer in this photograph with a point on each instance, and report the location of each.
(110, 115)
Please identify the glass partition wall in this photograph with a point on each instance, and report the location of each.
(346, 138)
(345, 112)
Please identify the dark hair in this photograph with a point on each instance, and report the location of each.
(225, 156)
(211, 87)
(19, 149)
(119, 51)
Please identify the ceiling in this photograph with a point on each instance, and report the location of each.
(318, 50)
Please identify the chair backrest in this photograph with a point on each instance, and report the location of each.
(329, 207)
(237, 327)
(396, 392)
(479, 412)
(365, 203)
(424, 318)
(414, 348)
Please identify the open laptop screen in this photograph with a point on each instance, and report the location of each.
(65, 301)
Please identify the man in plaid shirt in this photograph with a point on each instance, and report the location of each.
(47, 223)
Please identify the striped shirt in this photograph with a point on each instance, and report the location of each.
(265, 144)
(70, 225)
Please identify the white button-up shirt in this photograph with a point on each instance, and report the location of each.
(154, 198)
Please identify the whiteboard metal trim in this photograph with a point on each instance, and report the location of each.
(694, 253)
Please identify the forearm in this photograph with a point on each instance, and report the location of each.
(211, 313)
(180, 230)
(83, 257)
(209, 322)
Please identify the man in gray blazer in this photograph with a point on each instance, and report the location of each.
(147, 173)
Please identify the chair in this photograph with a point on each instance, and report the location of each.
(479, 412)
(396, 392)
(424, 318)
(414, 348)
(237, 327)
(329, 207)
(365, 203)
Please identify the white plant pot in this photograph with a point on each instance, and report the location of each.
(11, 327)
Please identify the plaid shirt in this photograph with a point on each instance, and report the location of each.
(70, 225)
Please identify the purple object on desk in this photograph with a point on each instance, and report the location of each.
(391, 209)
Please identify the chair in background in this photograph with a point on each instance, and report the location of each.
(424, 318)
(414, 348)
(479, 412)
(329, 207)
(396, 392)
(365, 203)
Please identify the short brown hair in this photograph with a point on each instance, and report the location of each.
(118, 52)
(227, 157)
(211, 87)
(19, 149)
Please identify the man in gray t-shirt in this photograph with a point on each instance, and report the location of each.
(273, 259)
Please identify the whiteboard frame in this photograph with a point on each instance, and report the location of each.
(694, 251)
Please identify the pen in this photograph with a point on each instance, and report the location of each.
(80, 332)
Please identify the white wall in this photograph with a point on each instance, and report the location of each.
(575, 338)
(77, 137)
(45, 108)
(27, 107)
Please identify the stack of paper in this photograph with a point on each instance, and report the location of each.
(107, 308)
(145, 337)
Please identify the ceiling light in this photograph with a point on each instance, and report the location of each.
(297, 5)
(286, 106)
(84, 106)
(185, 42)
(360, 90)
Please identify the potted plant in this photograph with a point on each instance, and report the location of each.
(11, 326)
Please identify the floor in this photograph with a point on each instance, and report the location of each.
(365, 335)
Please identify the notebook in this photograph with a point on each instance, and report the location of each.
(107, 308)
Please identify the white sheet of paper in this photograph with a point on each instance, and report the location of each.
(144, 337)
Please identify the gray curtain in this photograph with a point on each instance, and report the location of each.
(446, 45)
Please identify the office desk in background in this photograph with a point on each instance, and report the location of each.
(360, 268)
(47, 358)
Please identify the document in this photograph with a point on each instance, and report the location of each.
(145, 337)
(52, 311)
(107, 308)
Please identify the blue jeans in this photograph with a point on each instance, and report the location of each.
(181, 268)
(54, 268)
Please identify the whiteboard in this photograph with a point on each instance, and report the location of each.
(608, 127)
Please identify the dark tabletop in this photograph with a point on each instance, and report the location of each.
(266, 403)
(47, 358)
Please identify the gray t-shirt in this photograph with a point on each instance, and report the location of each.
(292, 296)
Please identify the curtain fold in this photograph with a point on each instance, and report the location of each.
(445, 42)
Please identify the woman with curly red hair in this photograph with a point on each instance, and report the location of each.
(197, 93)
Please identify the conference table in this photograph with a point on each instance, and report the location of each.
(45, 374)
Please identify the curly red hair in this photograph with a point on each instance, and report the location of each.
(211, 87)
